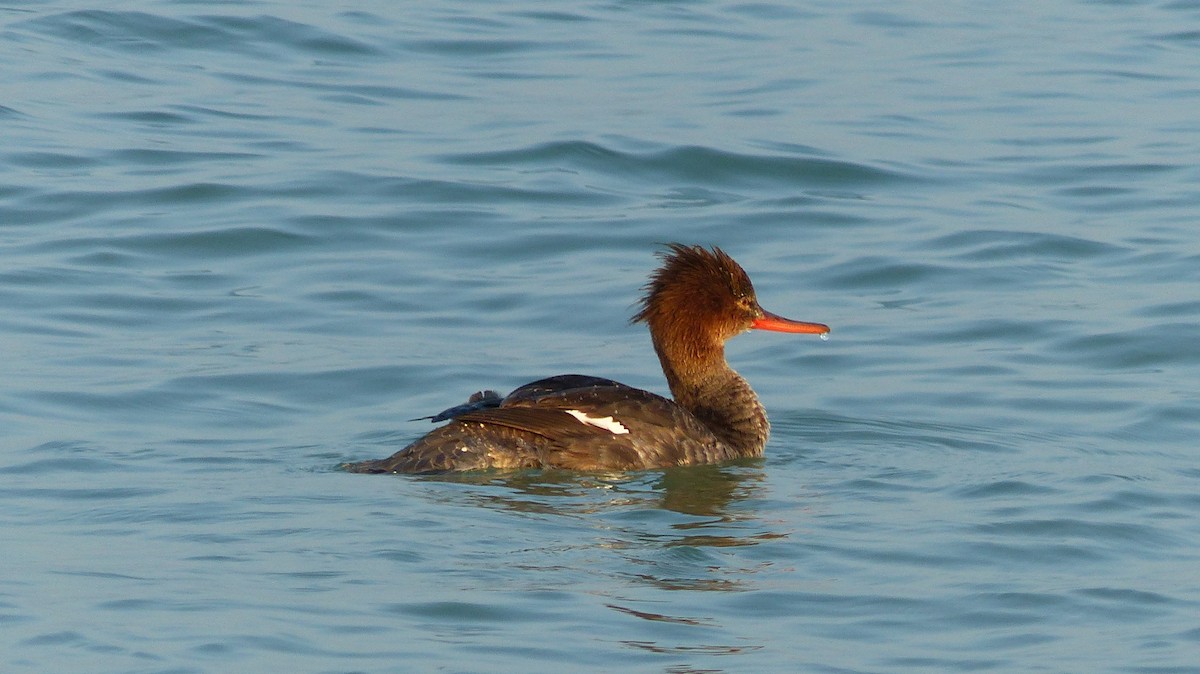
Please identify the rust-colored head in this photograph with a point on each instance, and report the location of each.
(699, 298)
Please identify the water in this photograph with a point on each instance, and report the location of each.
(241, 243)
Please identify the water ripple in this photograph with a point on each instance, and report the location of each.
(704, 165)
(240, 245)
(139, 32)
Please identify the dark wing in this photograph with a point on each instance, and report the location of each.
(491, 437)
(553, 424)
(569, 421)
(560, 384)
(632, 428)
(660, 432)
(478, 400)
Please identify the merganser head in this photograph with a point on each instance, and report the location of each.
(703, 297)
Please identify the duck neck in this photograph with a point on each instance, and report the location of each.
(705, 385)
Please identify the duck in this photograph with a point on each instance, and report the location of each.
(694, 302)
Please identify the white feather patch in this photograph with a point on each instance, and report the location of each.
(607, 423)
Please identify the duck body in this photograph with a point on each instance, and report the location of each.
(694, 302)
(569, 421)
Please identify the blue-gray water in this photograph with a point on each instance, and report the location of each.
(242, 242)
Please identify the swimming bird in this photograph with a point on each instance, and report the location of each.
(695, 301)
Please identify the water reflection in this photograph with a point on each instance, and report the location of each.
(702, 491)
(672, 530)
(709, 490)
(647, 546)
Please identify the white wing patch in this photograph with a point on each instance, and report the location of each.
(607, 423)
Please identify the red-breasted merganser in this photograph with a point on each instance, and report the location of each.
(694, 302)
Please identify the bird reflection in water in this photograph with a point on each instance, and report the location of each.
(703, 491)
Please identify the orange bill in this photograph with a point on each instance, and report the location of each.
(770, 321)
